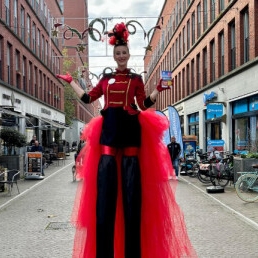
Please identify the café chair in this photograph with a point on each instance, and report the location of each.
(9, 178)
(61, 157)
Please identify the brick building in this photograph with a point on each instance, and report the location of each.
(31, 97)
(211, 47)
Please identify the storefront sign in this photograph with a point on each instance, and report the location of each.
(33, 165)
(214, 110)
(175, 126)
(208, 97)
(217, 144)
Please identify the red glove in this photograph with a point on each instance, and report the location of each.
(160, 88)
(67, 77)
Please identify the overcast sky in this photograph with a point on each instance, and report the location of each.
(144, 11)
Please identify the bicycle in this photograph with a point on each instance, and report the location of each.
(190, 166)
(247, 185)
(222, 172)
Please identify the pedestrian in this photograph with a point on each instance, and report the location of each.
(125, 207)
(32, 142)
(174, 150)
(38, 148)
(79, 148)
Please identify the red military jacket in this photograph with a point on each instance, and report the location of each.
(120, 89)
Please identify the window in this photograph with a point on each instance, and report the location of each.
(177, 14)
(188, 84)
(38, 41)
(24, 74)
(180, 47)
(212, 60)
(184, 37)
(61, 4)
(35, 76)
(188, 35)
(193, 28)
(28, 30)
(204, 66)
(43, 48)
(184, 89)
(34, 37)
(192, 76)
(30, 78)
(245, 119)
(8, 63)
(221, 5)
(245, 36)
(37, 6)
(15, 16)
(199, 21)
(221, 54)
(212, 10)
(193, 122)
(46, 53)
(205, 15)
(17, 61)
(176, 50)
(22, 23)
(7, 12)
(232, 45)
(198, 68)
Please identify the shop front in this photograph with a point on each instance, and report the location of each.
(214, 117)
(245, 124)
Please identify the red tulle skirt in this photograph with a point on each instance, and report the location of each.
(163, 230)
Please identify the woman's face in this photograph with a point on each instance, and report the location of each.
(121, 56)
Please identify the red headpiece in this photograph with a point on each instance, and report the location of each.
(119, 35)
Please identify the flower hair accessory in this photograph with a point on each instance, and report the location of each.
(119, 35)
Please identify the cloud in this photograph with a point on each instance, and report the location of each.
(143, 11)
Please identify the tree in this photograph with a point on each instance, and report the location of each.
(69, 94)
(12, 138)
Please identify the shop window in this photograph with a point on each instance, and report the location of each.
(245, 133)
(193, 128)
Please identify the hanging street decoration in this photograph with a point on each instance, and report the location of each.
(99, 34)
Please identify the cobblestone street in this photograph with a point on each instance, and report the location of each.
(35, 223)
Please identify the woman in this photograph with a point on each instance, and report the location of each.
(126, 207)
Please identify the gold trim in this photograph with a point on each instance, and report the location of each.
(126, 98)
(121, 82)
(113, 102)
(117, 91)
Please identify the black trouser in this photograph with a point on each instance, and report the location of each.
(106, 205)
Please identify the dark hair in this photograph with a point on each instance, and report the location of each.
(119, 35)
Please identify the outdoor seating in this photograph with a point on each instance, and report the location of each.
(9, 178)
(61, 157)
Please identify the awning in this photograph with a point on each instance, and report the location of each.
(55, 124)
(46, 120)
(12, 113)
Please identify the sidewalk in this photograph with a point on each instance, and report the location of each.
(38, 219)
(24, 185)
(229, 199)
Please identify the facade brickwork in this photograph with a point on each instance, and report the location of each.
(208, 46)
(31, 56)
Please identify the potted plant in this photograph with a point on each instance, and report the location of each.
(12, 138)
(244, 163)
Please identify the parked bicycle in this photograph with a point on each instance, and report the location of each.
(189, 166)
(222, 172)
(247, 185)
(203, 173)
(206, 165)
